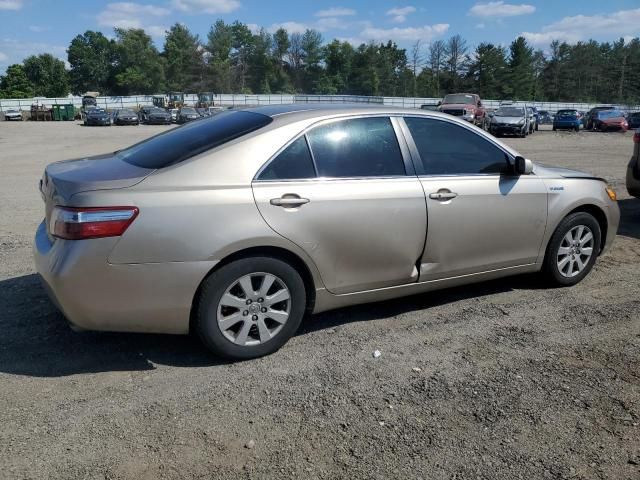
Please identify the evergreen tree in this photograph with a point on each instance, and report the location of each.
(183, 59)
(91, 57)
(520, 78)
(139, 68)
(15, 84)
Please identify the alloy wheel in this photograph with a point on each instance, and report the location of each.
(575, 251)
(254, 309)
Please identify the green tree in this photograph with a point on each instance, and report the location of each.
(220, 41)
(487, 70)
(183, 59)
(47, 74)
(521, 70)
(15, 84)
(242, 46)
(281, 82)
(311, 45)
(138, 64)
(91, 57)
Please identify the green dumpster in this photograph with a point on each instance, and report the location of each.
(56, 111)
(63, 112)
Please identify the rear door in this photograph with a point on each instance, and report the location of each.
(481, 217)
(346, 193)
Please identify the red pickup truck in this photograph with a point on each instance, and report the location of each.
(465, 105)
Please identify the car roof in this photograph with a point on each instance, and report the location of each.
(303, 111)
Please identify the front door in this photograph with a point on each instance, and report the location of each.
(481, 217)
(341, 193)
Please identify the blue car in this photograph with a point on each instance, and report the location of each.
(567, 120)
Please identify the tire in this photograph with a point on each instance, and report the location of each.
(554, 129)
(570, 273)
(577, 129)
(248, 330)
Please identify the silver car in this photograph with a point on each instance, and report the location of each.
(238, 225)
(510, 119)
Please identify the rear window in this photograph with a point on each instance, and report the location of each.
(184, 142)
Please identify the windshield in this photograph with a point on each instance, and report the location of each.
(126, 112)
(567, 113)
(188, 111)
(609, 114)
(509, 112)
(192, 139)
(458, 98)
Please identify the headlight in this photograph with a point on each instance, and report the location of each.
(521, 122)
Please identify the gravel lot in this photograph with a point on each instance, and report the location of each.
(502, 380)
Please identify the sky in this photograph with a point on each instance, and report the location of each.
(37, 26)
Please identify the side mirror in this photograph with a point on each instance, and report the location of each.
(439, 103)
(523, 166)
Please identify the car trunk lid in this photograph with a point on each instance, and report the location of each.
(62, 180)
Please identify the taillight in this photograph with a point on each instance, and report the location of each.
(79, 223)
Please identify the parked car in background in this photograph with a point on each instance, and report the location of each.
(545, 117)
(215, 226)
(587, 119)
(510, 119)
(633, 169)
(533, 120)
(430, 106)
(187, 114)
(536, 114)
(154, 116)
(174, 114)
(97, 117)
(465, 105)
(216, 110)
(606, 120)
(634, 120)
(126, 117)
(13, 114)
(203, 112)
(568, 119)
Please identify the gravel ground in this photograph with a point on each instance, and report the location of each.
(502, 380)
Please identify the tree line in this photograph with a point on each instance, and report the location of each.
(233, 59)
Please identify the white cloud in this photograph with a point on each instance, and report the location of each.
(335, 12)
(399, 14)
(480, 26)
(129, 15)
(291, 27)
(38, 29)
(397, 34)
(332, 23)
(3, 57)
(254, 27)
(618, 24)
(206, 6)
(10, 4)
(156, 31)
(500, 9)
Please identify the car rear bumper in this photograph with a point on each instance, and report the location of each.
(96, 295)
(567, 125)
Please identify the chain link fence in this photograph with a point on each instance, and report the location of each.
(232, 100)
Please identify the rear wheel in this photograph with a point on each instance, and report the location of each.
(250, 307)
(573, 249)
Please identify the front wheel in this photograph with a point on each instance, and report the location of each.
(573, 249)
(250, 307)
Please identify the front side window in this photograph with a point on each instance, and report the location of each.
(359, 147)
(294, 162)
(449, 149)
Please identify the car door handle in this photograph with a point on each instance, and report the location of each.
(289, 201)
(443, 194)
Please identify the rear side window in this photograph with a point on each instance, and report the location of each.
(294, 162)
(449, 149)
(178, 145)
(359, 147)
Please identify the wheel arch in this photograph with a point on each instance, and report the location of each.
(265, 251)
(594, 211)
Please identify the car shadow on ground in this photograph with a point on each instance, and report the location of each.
(629, 217)
(36, 340)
